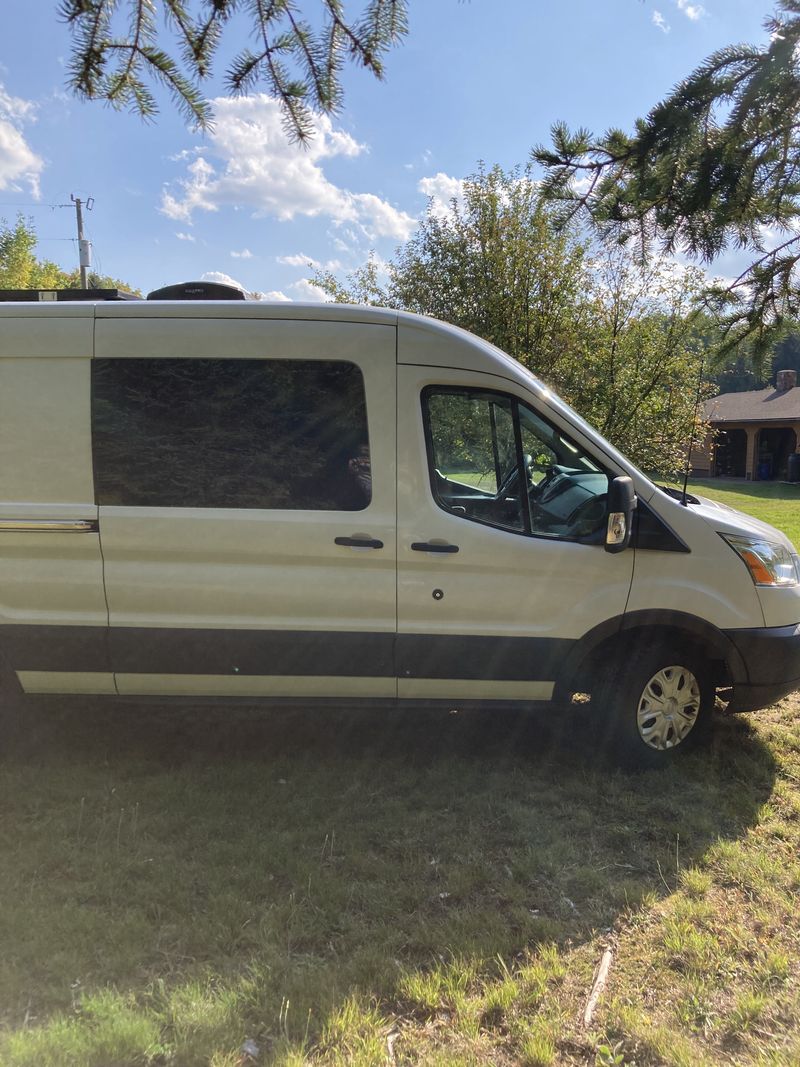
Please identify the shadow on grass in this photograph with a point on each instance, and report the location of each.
(214, 867)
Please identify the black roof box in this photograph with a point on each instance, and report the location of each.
(198, 291)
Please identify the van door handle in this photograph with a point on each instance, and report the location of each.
(358, 542)
(432, 546)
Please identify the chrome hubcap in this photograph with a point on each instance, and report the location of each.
(668, 707)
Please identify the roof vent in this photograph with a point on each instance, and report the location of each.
(198, 291)
(785, 380)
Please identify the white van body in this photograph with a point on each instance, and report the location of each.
(128, 570)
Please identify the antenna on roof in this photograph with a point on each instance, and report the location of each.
(694, 427)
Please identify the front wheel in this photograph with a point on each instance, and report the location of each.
(654, 704)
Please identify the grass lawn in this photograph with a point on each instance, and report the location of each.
(395, 888)
(777, 503)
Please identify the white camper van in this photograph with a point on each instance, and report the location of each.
(230, 499)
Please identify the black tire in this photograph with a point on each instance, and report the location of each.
(653, 704)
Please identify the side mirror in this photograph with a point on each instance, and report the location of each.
(621, 503)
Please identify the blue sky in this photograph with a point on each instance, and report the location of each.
(481, 79)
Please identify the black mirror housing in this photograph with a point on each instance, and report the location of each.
(621, 505)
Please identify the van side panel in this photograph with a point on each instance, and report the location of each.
(47, 332)
(53, 615)
(251, 598)
(44, 430)
(711, 581)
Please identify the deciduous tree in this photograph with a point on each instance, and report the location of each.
(20, 268)
(619, 343)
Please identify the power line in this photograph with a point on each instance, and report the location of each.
(39, 204)
(84, 244)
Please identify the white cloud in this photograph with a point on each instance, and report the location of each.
(690, 10)
(221, 278)
(275, 295)
(185, 236)
(582, 185)
(250, 163)
(308, 291)
(19, 165)
(185, 153)
(244, 254)
(423, 161)
(347, 239)
(299, 260)
(61, 97)
(441, 191)
(660, 22)
(200, 173)
(378, 218)
(15, 109)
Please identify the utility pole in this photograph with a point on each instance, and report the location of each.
(84, 246)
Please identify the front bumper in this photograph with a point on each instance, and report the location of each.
(771, 656)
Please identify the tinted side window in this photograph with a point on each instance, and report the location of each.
(233, 433)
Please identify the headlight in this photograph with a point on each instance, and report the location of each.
(769, 563)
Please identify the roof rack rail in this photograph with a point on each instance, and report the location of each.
(199, 291)
(44, 295)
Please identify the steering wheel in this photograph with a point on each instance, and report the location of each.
(511, 479)
(550, 474)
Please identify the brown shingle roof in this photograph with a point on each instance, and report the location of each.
(756, 405)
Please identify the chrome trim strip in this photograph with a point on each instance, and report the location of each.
(49, 525)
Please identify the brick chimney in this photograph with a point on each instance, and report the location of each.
(785, 380)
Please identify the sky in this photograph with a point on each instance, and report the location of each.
(474, 80)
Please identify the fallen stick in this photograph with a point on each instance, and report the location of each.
(391, 1038)
(598, 986)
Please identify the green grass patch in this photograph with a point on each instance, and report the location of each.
(777, 503)
(333, 887)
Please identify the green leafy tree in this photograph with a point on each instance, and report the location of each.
(493, 264)
(20, 268)
(715, 165)
(122, 47)
(641, 372)
(621, 344)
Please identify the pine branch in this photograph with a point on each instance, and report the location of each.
(713, 165)
(300, 66)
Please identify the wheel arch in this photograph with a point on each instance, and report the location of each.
(611, 638)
